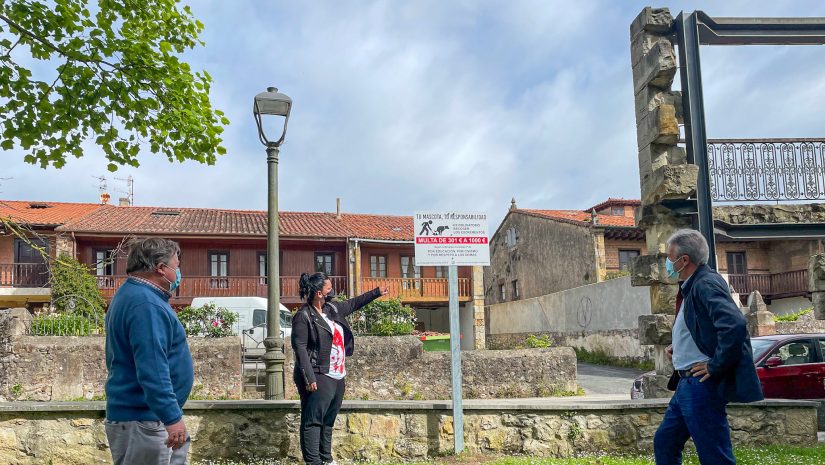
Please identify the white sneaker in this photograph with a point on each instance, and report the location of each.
(331, 463)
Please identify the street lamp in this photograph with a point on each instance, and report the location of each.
(273, 103)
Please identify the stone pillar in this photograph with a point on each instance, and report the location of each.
(664, 175)
(357, 270)
(816, 273)
(65, 245)
(601, 254)
(760, 320)
(479, 325)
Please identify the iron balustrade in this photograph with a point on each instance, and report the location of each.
(766, 169)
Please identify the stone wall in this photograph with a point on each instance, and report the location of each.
(622, 344)
(597, 316)
(378, 431)
(386, 368)
(56, 368)
(73, 368)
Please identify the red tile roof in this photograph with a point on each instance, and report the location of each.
(384, 227)
(110, 219)
(44, 213)
(617, 202)
(582, 217)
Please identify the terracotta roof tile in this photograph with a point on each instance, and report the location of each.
(384, 227)
(110, 219)
(581, 217)
(45, 213)
(616, 202)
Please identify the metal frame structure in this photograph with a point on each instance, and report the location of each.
(696, 29)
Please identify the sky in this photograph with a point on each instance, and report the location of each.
(432, 105)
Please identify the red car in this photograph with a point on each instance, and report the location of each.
(790, 366)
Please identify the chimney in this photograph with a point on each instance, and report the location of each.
(123, 202)
(513, 204)
(338, 208)
(104, 198)
(594, 219)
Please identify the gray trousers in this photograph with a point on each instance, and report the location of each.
(142, 443)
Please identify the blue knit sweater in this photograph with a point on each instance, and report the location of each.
(149, 363)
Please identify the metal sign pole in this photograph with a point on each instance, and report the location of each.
(455, 358)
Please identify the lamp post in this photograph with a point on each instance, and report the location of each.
(273, 103)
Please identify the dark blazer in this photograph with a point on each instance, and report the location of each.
(312, 338)
(720, 332)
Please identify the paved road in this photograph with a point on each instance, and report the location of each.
(601, 380)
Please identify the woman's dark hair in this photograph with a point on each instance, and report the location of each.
(309, 284)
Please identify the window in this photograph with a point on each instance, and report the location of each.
(441, 272)
(502, 292)
(617, 211)
(219, 270)
(410, 274)
(378, 266)
(795, 353)
(104, 263)
(511, 237)
(258, 317)
(627, 256)
(262, 271)
(515, 289)
(324, 263)
(737, 264)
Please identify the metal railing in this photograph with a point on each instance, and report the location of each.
(773, 285)
(409, 289)
(766, 169)
(223, 286)
(24, 275)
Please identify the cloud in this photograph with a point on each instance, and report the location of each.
(432, 105)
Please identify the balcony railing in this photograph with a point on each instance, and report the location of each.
(224, 286)
(772, 286)
(766, 169)
(418, 289)
(23, 275)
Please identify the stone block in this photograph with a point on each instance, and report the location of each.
(663, 298)
(756, 303)
(658, 126)
(659, 224)
(670, 182)
(816, 273)
(657, 68)
(662, 361)
(762, 214)
(655, 386)
(655, 329)
(761, 323)
(655, 20)
(14, 322)
(646, 270)
(655, 156)
(650, 97)
(819, 305)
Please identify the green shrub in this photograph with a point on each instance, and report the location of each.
(538, 342)
(616, 274)
(790, 317)
(57, 324)
(384, 318)
(208, 320)
(74, 289)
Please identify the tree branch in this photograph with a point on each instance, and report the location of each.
(55, 48)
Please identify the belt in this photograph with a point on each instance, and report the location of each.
(684, 373)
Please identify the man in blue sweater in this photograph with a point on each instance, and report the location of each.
(149, 364)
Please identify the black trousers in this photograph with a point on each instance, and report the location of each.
(318, 411)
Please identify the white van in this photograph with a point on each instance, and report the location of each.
(251, 324)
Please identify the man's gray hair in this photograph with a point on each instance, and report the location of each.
(147, 254)
(692, 243)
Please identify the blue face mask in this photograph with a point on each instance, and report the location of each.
(671, 271)
(174, 284)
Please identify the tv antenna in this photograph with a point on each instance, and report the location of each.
(130, 189)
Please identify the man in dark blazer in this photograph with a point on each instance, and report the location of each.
(711, 354)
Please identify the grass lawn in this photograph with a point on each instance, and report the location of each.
(773, 455)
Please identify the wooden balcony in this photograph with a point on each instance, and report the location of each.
(772, 286)
(224, 286)
(24, 275)
(412, 290)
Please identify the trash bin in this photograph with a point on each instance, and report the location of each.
(437, 343)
